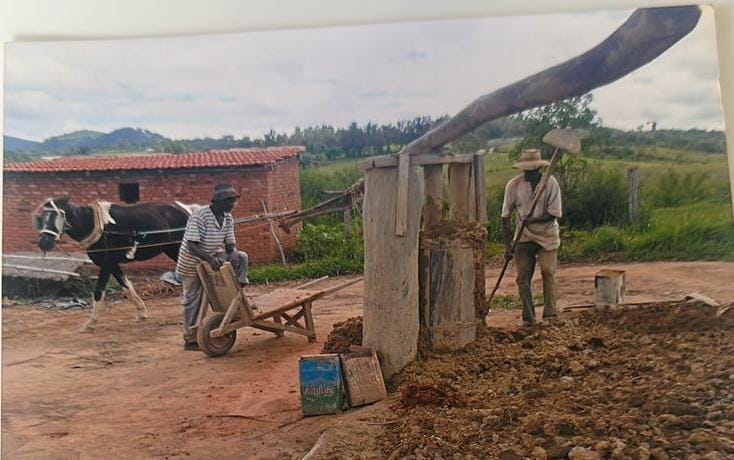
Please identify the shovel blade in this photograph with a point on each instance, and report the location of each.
(565, 138)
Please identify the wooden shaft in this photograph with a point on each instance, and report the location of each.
(44, 270)
(273, 234)
(646, 34)
(499, 280)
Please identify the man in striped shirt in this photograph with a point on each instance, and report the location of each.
(208, 229)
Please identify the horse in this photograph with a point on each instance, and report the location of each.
(113, 235)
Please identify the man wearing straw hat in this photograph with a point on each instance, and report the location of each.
(208, 229)
(540, 239)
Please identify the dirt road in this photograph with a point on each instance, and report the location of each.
(130, 391)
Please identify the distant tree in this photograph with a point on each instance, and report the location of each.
(174, 147)
(575, 112)
(245, 142)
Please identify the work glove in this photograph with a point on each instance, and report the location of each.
(216, 262)
(508, 254)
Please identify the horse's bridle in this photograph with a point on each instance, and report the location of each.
(59, 219)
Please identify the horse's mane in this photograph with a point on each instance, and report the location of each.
(189, 208)
(61, 201)
(104, 212)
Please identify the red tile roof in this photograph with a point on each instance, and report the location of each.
(210, 159)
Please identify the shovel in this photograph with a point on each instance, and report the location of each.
(561, 139)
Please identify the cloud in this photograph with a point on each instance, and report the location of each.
(249, 83)
(416, 56)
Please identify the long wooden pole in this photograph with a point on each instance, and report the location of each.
(274, 235)
(633, 175)
(646, 34)
(44, 270)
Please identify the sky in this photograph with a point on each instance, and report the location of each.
(249, 83)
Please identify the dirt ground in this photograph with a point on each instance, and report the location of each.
(129, 390)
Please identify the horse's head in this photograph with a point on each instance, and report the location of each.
(50, 222)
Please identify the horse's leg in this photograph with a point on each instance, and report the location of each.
(102, 280)
(129, 291)
(172, 251)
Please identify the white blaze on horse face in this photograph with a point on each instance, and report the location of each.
(50, 220)
(135, 298)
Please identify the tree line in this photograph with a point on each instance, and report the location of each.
(326, 142)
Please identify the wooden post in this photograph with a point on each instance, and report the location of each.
(278, 320)
(308, 316)
(433, 206)
(633, 174)
(272, 232)
(480, 294)
(391, 268)
(348, 223)
(480, 188)
(448, 293)
(448, 268)
(401, 211)
(460, 188)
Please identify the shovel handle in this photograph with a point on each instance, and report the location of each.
(499, 280)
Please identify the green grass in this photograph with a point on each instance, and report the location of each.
(512, 302)
(696, 231)
(336, 166)
(331, 266)
(700, 230)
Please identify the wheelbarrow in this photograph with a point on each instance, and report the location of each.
(279, 311)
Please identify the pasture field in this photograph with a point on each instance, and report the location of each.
(685, 196)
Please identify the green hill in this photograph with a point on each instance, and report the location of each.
(15, 144)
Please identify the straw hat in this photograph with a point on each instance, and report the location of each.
(530, 159)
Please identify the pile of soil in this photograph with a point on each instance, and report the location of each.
(343, 336)
(154, 289)
(413, 395)
(647, 382)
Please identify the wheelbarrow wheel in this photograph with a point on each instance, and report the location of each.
(215, 346)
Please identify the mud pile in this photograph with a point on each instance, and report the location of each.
(413, 395)
(343, 336)
(647, 382)
(153, 289)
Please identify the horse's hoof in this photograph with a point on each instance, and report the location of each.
(142, 317)
(87, 329)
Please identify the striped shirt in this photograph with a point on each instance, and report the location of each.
(203, 228)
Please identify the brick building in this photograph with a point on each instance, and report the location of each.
(269, 175)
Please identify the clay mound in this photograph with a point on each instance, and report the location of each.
(430, 395)
(343, 336)
(649, 381)
(684, 316)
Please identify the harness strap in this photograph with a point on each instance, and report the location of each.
(60, 212)
(101, 216)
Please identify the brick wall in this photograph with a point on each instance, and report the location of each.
(278, 185)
